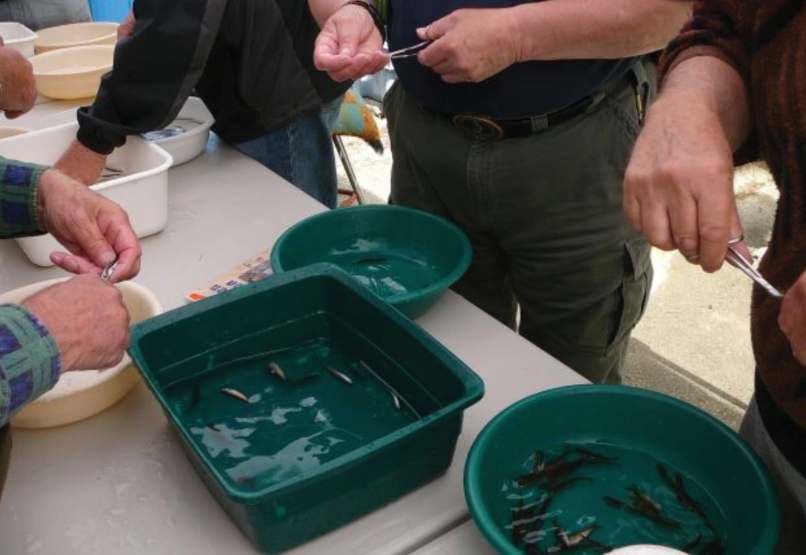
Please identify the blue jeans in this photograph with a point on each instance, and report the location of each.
(302, 153)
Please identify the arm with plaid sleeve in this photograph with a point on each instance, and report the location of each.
(19, 185)
(30, 362)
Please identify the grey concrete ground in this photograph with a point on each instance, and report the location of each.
(694, 341)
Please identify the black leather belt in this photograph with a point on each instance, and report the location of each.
(480, 127)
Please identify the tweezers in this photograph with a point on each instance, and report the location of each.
(735, 259)
(409, 51)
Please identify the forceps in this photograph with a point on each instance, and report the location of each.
(408, 52)
(734, 258)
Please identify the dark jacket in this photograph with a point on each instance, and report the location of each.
(249, 60)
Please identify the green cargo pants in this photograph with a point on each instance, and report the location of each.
(5, 454)
(544, 215)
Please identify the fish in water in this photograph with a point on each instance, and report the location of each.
(340, 375)
(678, 486)
(276, 370)
(582, 538)
(235, 394)
(644, 501)
(395, 400)
(641, 511)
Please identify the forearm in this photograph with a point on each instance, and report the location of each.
(596, 29)
(710, 82)
(30, 363)
(139, 94)
(323, 9)
(19, 186)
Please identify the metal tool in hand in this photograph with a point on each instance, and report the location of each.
(408, 52)
(109, 271)
(735, 258)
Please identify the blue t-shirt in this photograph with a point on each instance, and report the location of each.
(524, 89)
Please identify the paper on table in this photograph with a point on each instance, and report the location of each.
(250, 271)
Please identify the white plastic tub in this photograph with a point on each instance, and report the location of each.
(76, 34)
(72, 73)
(187, 145)
(18, 36)
(142, 190)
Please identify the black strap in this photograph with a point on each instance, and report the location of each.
(373, 12)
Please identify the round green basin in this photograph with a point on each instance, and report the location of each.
(405, 256)
(742, 501)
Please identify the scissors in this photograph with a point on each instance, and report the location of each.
(736, 259)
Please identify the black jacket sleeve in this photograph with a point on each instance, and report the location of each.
(154, 72)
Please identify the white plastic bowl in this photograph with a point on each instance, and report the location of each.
(76, 34)
(142, 190)
(187, 146)
(18, 36)
(72, 73)
(79, 395)
(645, 550)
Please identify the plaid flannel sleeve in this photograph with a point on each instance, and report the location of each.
(30, 363)
(19, 183)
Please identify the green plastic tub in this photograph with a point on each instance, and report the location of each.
(405, 256)
(720, 471)
(294, 456)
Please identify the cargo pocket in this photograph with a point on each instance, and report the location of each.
(635, 289)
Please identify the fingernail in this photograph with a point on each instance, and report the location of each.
(108, 258)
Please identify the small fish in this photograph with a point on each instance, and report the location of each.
(395, 400)
(573, 540)
(644, 501)
(275, 370)
(235, 394)
(655, 517)
(340, 375)
(109, 271)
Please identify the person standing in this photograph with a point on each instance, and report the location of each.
(734, 82)
(516, 122)
(251, 63)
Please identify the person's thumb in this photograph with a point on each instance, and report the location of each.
(435, 30)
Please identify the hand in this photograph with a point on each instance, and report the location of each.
(93, 228)
(81, 163)
(17, 85)
(88, 320)
(349, 46)
(126, 28)
(471, 45)
(678, 189)
(792, 318)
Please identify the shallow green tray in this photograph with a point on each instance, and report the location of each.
(407, 257)
(354, 450)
